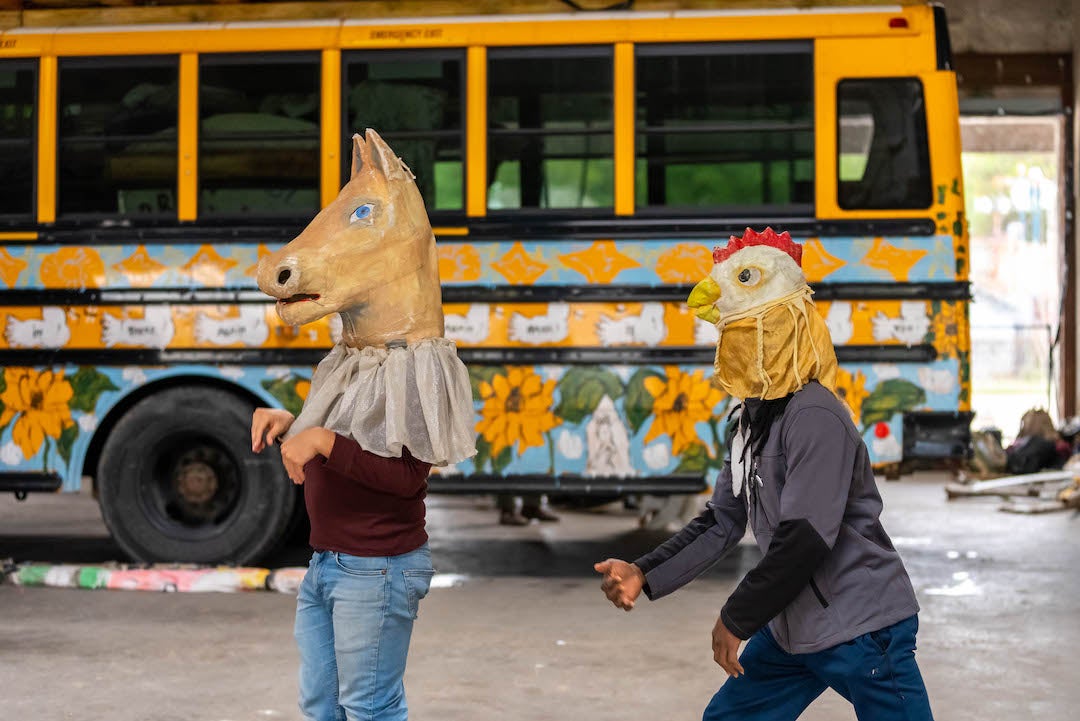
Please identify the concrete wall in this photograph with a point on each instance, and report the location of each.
(1011, 26)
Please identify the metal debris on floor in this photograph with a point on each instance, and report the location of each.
(1034, 484)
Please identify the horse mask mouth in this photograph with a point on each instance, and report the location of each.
(298, 298)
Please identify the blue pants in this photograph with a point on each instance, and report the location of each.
(354, 619)
(876, 672)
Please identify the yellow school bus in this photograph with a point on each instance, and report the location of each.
(578, 167)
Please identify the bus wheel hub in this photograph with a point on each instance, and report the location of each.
(196, 482)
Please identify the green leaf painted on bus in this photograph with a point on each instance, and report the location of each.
(694, 459)
(893, 396)
(639, 402)
(483, 454)
(66, 441)
(87, 385)
(502, 460)
(582, 388)
(958, 225)
(483, 457)
(483, 374)
(284, 390)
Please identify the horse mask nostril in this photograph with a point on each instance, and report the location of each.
(283, 276)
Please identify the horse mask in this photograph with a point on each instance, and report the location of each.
(393, 381)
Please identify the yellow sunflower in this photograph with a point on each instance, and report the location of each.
(679, 404)
(852, 390)
(517, 410)
(39, 404)
(947, 330)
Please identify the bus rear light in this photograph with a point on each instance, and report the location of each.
(898, 22)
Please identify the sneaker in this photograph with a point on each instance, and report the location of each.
(511, 518)
(541, 513)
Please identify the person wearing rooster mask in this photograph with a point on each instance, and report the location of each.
(830, 603)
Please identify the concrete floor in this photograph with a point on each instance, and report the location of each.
(527, 634)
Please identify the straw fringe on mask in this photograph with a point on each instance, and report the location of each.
(774, 349)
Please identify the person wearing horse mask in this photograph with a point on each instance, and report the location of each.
(388, 402)
(830, 604)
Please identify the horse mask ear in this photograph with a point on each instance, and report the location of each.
(373, 152)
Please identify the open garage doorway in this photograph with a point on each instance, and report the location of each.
(1014, 171)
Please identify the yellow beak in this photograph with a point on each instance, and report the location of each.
(703, 298)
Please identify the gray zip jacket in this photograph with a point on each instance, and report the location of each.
(830, 572)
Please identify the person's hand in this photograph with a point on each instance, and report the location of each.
(725, 649)
(622, 582)
(267, 425)
(301, 448)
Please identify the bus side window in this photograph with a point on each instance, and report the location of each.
(116, 136)
(884, 158)
(18, 129)
(259, 135)
(415, 100)
(551, 142)
(725, 127)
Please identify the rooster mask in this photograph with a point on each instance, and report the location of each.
(772, 338)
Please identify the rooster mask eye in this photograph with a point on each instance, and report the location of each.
(750, 276)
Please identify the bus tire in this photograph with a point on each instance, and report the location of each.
(177, 481)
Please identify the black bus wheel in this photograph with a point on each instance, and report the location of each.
(177, 481)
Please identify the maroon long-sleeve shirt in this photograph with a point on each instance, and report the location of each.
(363, 504)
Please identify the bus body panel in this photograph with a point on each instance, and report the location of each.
(590, 323)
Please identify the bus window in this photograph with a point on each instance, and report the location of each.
(415, 100)
(550, 128)
(884, 159)
(18, 123)
(116, 136)
(259, 135)
(726, 127)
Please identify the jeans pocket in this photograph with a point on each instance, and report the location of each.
(880, 639)
(417, 584)
(357, 566)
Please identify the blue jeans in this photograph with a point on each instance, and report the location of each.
(876, 672)
(354, 618)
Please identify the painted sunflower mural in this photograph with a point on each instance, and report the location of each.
(945, 331)
(516, 413)
(516, 410)
(680, 402)
(37, 405)
(851, 387)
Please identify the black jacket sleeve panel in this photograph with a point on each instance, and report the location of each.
(699, 545)
(796, 551)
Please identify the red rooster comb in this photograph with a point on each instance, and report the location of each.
(768, 236)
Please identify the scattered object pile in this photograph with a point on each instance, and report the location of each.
(167, 578)
(1043, 463)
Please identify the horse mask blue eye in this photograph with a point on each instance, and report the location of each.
(361, 213)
